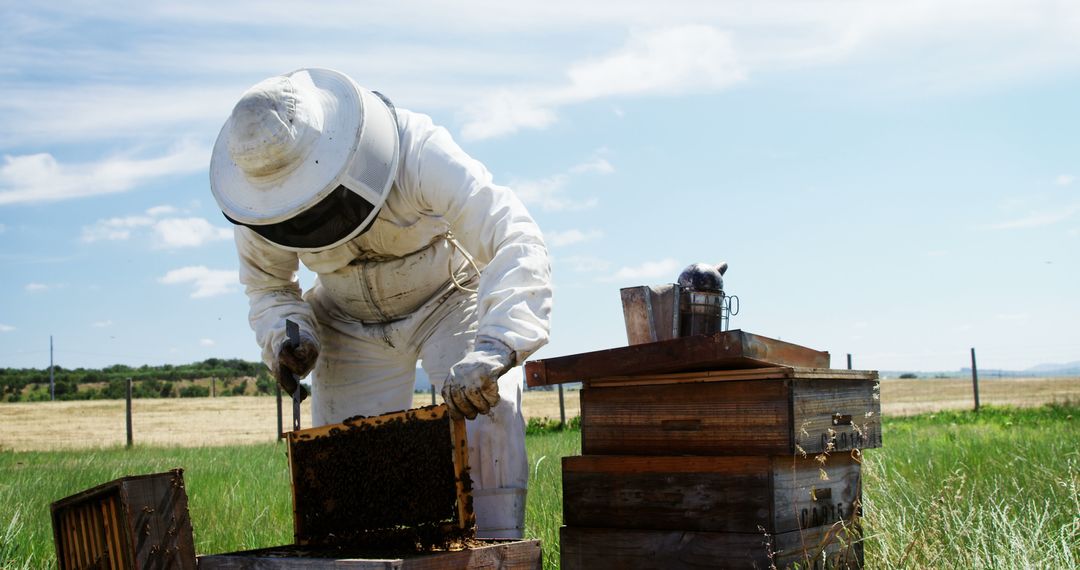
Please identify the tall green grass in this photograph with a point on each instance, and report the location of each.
(997, 489)
(1000, 489)
(543, 515)
(238, 496)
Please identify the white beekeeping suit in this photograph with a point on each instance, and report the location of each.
(419, 255)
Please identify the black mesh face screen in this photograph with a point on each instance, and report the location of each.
(321, 225)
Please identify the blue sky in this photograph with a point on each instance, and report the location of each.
(898, 181)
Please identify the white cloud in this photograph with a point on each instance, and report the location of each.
(667, 61)
(503, 113)
(188, 232)
(207, 282)
(150, 83)
(1012, 316)
(581, 263)
(169, 233)
(114, 229)
(206, 342)
(42, 178)
(1038, 219)
(102, 324)
(597, 165)
(161, 210)
(37, 287)
(547, 193)
(6, 328)
(1064, 179)
(568, 237)
(667, 269)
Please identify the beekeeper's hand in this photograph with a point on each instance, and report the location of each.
(298, 358)
(472, 387)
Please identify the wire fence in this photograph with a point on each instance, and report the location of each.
(217, 420)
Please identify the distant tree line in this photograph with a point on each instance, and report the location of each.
(164, 381)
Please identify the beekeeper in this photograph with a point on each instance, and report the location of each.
(418, 255)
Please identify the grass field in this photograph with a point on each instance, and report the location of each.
(1000, 489)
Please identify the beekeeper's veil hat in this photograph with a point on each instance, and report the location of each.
(306, 159)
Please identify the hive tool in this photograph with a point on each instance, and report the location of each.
(289, 381)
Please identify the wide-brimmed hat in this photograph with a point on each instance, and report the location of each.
(306, 159)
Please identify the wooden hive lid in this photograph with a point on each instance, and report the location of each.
(729, 350)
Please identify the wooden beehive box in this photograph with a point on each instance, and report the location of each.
(399, 478)
(745, 494)
(764, 411)
(629, 549)
(730, 450)
(731, 393)
(130, 523)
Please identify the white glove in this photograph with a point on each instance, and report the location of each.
(472, 387)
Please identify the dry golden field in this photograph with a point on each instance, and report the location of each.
(187, 422)
(908, 397)
(250, 419)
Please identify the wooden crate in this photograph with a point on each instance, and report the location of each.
(380, 478)
(822, 547)
(494, 555)
(131, 523)
(729, 350)
(745, 494)
(769, 411)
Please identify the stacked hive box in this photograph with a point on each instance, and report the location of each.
(731, 450)
(133, 522)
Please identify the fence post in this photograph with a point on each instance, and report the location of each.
(432, 394)
(975, 379)
(130, 436)
(849, 361)
(280, 433)
(52, 379)
(213, 387)
(562, 408)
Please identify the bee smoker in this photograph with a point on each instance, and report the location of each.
(704, 308)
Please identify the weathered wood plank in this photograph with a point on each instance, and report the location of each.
(770, 373)
(718, 418)
(725, 350)
(723, 494)
(500, 555)
(836, 415)
(589, 548)
(814, 491)
(805, 413)
(685, 493)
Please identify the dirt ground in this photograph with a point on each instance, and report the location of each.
(250, 419)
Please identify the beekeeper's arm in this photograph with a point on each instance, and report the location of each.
(514, 297)
(268, 274)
